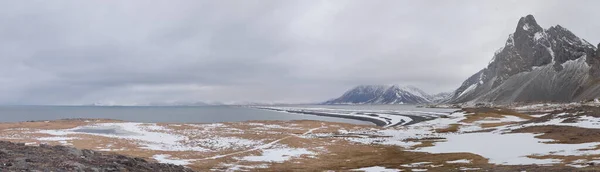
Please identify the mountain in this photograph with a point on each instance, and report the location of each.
(441, 97)
(382, 94)
(536, 65)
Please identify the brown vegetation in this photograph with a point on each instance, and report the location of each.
(563, 134)
(477, 114)
(450, 129)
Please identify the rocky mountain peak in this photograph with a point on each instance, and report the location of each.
(528, 24)
(553, 55)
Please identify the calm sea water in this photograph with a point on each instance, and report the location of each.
(183, 114)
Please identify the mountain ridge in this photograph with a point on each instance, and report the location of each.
(535, 64)
(386, 94)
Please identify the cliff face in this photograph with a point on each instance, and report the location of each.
(535, 64)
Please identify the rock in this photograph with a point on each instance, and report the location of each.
(73, 151)
(18, 157)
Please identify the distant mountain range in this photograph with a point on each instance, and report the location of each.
(387, 94)
(194, 103)
(536, 65)
(159, 104)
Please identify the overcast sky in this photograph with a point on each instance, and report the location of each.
(79, 52)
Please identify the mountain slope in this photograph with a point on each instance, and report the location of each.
(535, 64)
(381, 94)
(441, 97)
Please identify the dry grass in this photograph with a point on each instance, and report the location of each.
(563, 134)
(425, 142)
(481, 116)
(478, 114)
(343, 158)
(566, 159)
(490, 125)
(53, 125)
(450, 129)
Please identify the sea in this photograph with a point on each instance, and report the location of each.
(185, 114)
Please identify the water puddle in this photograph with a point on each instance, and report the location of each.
(110, 130)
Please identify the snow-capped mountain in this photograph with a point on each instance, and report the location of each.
(382, 94)
(536, 65)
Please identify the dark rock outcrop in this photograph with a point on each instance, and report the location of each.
(19, 157)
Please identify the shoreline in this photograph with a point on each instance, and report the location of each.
(381, 118)
(372, 120)
(368, 117)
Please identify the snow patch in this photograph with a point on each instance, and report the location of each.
(549, 49)
(468, 169)
(469, 89)
(582, 122)
(416, 164)
(526, 26)
(278, 154)
(538, 36)
(376, 169)
(514, 147)
(224, 143)
(163, 158)
(460, 161)
(56, 138)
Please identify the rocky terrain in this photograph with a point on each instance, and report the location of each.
(536, 65)
(19, 157)
(384, 94)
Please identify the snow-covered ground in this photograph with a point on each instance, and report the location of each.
(149, 136)
(580, 121)
(162, 158)
(169, 142)
(506, 149)
(278, 154)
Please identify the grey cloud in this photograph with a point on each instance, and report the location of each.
(79, 52)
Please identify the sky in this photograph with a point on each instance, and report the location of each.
(294, 51)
